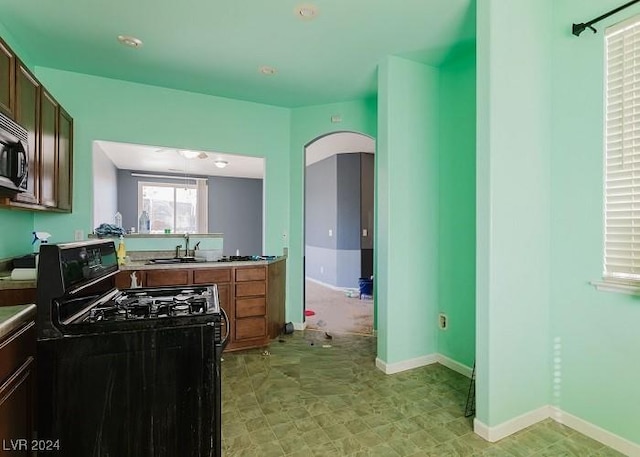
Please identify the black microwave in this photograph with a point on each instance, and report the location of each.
(14, 159)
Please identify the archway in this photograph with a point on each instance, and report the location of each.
(339, 233)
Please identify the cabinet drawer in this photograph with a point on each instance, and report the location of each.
(249, 289)
(212, 276)
(251, 327)
(248, 307)
(175, 277)
(251, 274)
(16, 349)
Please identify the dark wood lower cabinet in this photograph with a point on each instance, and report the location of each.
(177, 277)
(252, 296)
(17, 391)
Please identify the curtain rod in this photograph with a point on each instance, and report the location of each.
(579, 28)
(183, 178)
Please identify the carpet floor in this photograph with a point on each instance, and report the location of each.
(336, 312)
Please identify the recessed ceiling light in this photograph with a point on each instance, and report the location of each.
(188, 154)
(267, 70)
(130, 41)
(306, 11)
(221, 163)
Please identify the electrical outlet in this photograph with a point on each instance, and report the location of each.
(330, 232)
(321, 270)
(443, 321)
(78, 235)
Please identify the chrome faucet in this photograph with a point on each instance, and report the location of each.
(186, 245)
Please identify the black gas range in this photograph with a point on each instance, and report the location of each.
(125, 372)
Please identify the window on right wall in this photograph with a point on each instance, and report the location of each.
(622, 153)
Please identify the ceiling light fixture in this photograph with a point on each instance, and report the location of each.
(188, 154)
(221, 163)
(130, 41)
(267, 70)
(306, 12)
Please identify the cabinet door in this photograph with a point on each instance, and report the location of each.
(250, 289)
(123, 278)
(251, 307)
(48, 149)
(17, 385)
(211, 275)
(28, 116)
(7, 75)
(65, 160)
(251, 274)
(177, 277)
(250, 328)
(17, 404)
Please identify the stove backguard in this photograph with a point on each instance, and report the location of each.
(72, 273)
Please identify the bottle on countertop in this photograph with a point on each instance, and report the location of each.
(117, 219)
(143, 223)
(122, 251)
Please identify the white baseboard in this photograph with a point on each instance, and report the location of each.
(299, 325)
(511, 426)
(326, 284)
(453, 365)
(616, 442)
(422, 361)
(514, 425)
(391, 368)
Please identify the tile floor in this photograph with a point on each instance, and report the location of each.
(302, 399)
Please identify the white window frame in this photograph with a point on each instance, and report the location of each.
(202, 199)
(621, 165)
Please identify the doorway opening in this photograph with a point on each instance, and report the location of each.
(339, 233)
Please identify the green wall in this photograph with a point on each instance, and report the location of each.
(16, 225)
(597, 332)
(307, 124)
(407, 210)
(457, 208)
(107, 109)
(513, 210)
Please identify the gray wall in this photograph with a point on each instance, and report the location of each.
(333, 201)
(235, 209)
(321, 213)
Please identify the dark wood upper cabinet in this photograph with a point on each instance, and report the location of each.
(49, 135)
(65, 160)
(7, 82)
(28, 116)
(48, 150)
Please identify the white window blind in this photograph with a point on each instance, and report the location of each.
(622, 152)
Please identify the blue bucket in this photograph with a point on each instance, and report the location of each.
(366, 286)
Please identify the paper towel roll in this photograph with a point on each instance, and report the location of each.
(23, 274)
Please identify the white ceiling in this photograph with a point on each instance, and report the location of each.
(216, 47)
(157, 159)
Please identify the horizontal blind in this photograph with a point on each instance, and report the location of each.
(622, 161)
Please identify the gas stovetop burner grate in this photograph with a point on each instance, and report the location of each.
(154, 304)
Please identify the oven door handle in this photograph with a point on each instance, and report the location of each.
(224, 342)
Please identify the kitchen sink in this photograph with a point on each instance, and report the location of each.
(176, 260)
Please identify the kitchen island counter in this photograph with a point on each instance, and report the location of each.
(13, 317)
